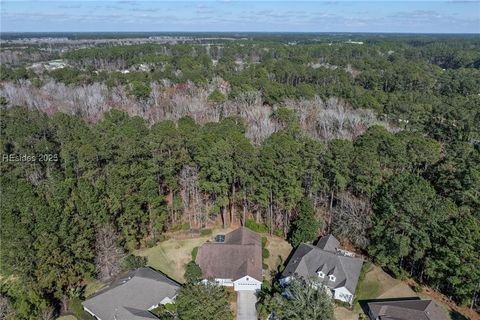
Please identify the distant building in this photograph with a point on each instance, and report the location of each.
(132, 297)
(335, 268)
(354, 42)
(406, 310)
(235, 261)
(55, 64)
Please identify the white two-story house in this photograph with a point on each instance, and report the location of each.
(333, 267)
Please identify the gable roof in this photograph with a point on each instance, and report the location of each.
(130, 298)
(328, 243)
(307, 260)
(240, 255)
(243, 235)
(407, 310)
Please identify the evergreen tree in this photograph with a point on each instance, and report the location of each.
(193, 273)
(203, 301)
(301, 300)
(305, 227)
(404, 219)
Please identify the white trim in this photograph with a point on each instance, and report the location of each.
(247, 283)
(93, 314)
(343, 294)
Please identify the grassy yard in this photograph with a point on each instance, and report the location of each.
(93, 286)
(171, 256)
(377, 284)
(279, 251)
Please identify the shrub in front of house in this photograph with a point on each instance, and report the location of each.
(181, 226)
(132, 262)
(264, 242)
(257, 227)
(150, 243)
(194, 253)
(206, 232)
(75, 306)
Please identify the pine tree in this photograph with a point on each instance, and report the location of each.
(302, 299)
(203, 301)
(305, 226)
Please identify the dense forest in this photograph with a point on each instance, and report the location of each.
(382, 138)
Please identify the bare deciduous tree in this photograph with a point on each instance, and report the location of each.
(351, 219)
(108, 253)
(5, 307)
(47, 314)
(189, 190)
(323, 120)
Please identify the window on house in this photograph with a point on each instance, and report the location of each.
(321, 274)
(332, 278)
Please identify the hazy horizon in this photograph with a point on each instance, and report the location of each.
(406, 17)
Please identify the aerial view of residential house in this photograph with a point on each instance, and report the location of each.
(132, 297)
(234, 260)
(406, 310)
(335, 268)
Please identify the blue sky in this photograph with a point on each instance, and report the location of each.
(450, 16)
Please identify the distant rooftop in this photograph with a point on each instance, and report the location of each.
(131, 297)
(407, 310)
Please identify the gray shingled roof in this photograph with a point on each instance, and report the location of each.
(407, 310)
(307, 260)
(130, 298)
(240, 255)
(328, 243)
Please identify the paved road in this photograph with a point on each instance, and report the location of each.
(246, 305)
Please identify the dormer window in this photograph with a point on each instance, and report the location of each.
(332, 278)
(321, 274)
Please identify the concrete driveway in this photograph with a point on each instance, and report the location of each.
(246, 301)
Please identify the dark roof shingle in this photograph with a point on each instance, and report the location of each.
(307, 260)
(240, 255)
(407, 310)
(130, 298)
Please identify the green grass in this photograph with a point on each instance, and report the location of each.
(93, 286)
(368, 289)
(257, 227)
(368, 286)
(194, 253)
(75, 306)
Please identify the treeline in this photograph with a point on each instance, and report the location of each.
(408, 81)
(139, 181)
(76, 194)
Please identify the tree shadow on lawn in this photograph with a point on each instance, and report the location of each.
(456, 316)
